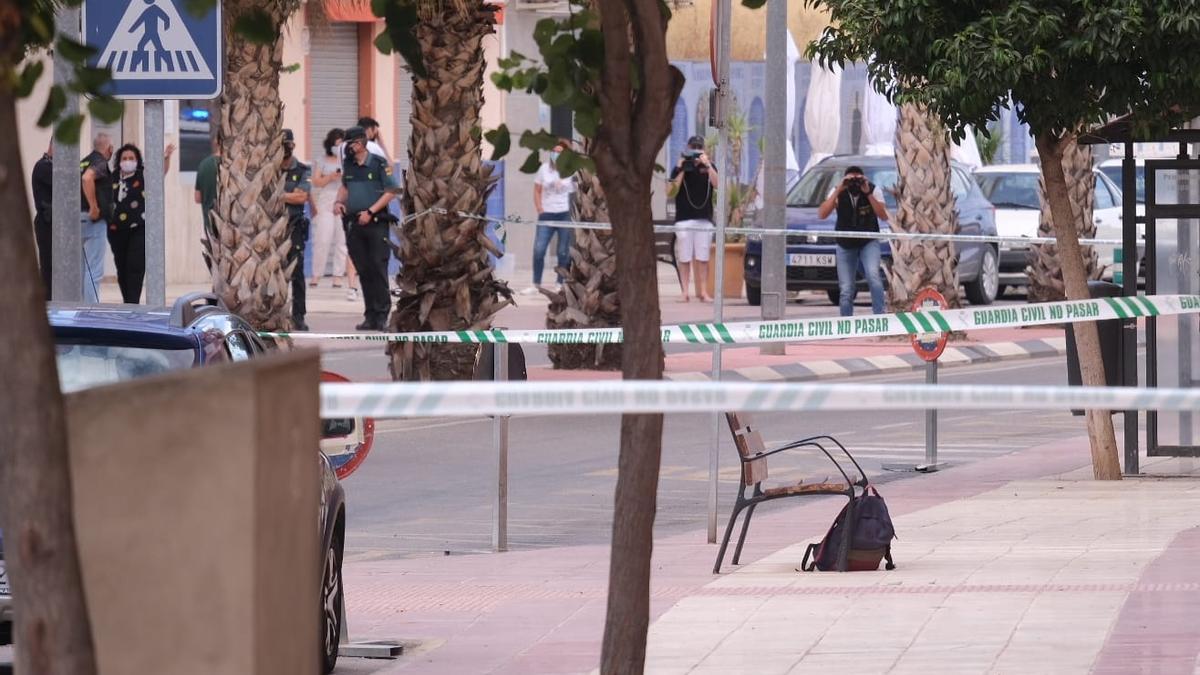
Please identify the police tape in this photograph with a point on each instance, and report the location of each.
(812, 236)
(810, 330)
(470, 399)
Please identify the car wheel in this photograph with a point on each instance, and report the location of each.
(753, 295)
(331, 605)
(984, 289)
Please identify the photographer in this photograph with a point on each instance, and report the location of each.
(694, 180)
(860, 207)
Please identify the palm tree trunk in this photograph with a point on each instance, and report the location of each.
(925, 205)
(53, 630)
(446, 280)
(589, 298)
(252, 273)
(1046, 282)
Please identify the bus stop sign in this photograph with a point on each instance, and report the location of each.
(929, 346)
(156, 49)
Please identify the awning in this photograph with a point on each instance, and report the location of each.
(349, 10)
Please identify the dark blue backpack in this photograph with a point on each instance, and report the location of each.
(870, 539)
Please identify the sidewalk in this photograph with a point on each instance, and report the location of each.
(1020, 563)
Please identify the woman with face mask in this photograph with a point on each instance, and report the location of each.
(127, 228)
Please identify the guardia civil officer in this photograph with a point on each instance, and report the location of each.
(367, 188)
(296, 190)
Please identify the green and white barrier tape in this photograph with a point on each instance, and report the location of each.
(809, 330)
(470, 399)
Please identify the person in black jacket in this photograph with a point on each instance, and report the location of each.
(860, 207)
(694, 179)
(43, 225)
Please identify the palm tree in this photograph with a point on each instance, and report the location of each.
(588, 298)
(1045, 268)
(925, 205)
(446, 281)
(252, 274)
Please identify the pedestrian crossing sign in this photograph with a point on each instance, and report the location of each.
(155, 49)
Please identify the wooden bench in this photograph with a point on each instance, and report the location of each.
(753, 454)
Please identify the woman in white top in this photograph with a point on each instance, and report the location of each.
(327, 226)
(552, 199)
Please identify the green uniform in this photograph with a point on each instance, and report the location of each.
(368, 244)
(296, 175)
(366, 183)
(206, 185)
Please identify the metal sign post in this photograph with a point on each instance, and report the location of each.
(67, 245)
(156, 50)
(722, 46)
(156, 208)
(500, 438)
(928, 346)
(774, 247)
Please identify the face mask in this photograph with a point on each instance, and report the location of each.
(553, 157)
(129, 166)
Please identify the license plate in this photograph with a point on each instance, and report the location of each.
(4, 580)
(811, 260)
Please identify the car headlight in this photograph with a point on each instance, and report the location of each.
(751, 261)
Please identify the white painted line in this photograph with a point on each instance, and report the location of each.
(759, 373)
(887, 362)
(687, 377)
(826, 368)
(953, 355)
(1005, 349)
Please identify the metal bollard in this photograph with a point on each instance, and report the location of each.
(500, 439)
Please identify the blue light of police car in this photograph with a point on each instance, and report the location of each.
(198, 114)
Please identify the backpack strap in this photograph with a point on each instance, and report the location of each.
(887, 555)
(812, 551)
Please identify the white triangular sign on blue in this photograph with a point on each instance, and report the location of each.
(152, 43)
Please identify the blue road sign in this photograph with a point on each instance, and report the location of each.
(155, 48)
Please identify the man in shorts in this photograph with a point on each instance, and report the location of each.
(695, 182)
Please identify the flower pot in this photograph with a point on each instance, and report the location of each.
(735, 255)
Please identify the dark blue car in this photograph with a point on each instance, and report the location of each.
(811, 261)
(103, 344)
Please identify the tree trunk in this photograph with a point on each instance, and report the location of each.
(253, 269)
(1105, 462)
(636, 498)
(447, 281)
(637, 94)
(1045, 268)
(590, 297)
(925, 205)
(50, 608)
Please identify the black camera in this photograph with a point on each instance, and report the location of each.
(690, 159)
(856, 184)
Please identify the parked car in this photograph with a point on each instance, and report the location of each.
(811, 259)
(103, 344)
(1111, 168)
(1013, 189)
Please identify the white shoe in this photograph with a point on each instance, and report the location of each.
(352, 294)
(531, 290)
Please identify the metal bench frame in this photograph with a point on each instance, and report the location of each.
(752, 454)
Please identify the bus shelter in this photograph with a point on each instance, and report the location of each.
(1166, 213)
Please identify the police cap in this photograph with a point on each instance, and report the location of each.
(355, 134)
(289, 137)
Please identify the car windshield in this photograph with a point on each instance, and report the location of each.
(1010, 190)
(1114, 173)
(82, 365)
(814, 186)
